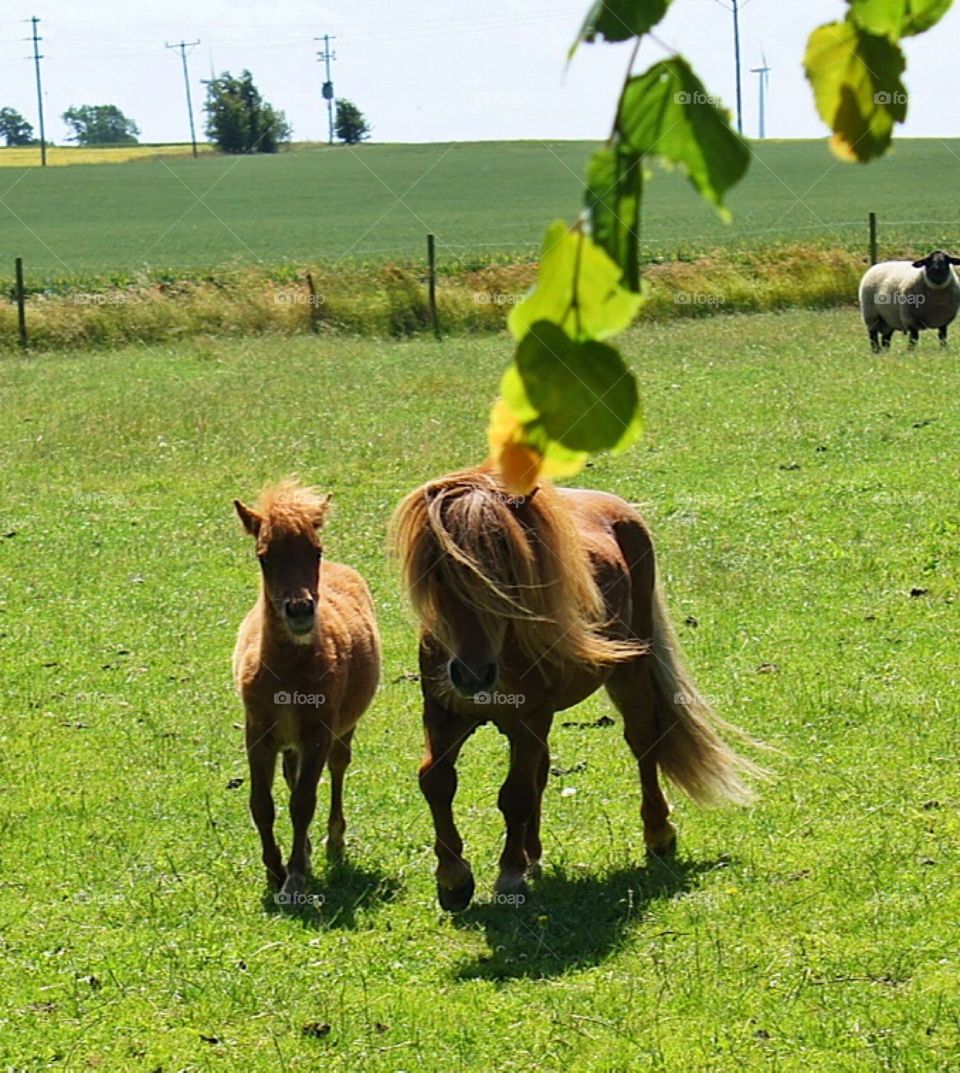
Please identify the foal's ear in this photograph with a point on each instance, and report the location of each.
(321, 511)
(251, 520)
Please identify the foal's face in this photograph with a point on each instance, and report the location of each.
(290, 566)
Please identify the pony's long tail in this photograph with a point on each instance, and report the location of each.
(690, 750)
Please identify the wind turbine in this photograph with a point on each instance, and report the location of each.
(764, 80)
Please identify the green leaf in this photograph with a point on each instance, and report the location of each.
(577, 394)
(897, 18)
(618, 20)
(578, 289)
(666, 112)
(856, 84)
(614, 191)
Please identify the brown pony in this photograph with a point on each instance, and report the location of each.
(307, 663)
(529, 605)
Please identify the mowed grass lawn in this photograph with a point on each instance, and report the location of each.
(481, 199)
(802, 493)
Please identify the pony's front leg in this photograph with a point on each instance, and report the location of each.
(520, 798)
(303, 805)
(340, 754)
(438, 782)
(262, 758)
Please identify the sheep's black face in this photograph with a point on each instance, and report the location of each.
(937, 267)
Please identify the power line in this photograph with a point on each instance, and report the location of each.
(36, 63)
(326, 56)
(183, 46)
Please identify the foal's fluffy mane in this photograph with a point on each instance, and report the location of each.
(521, 560)
(291, 507)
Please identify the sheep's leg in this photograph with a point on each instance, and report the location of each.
(914, 334)
(885, 339)
(874, 331)
(942, 332)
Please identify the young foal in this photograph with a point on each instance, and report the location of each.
(307, 663)
(529, 605)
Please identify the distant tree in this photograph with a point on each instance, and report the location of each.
(350, 124)
(100, 124)
(14, 128)
(239, 120)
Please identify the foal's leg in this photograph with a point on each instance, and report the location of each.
(303, 804)
(438, 782)
(291, 772)
(631, 690)
(520, 797)
(338, 762)
(262, 758)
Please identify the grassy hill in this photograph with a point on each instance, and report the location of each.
(485, 201)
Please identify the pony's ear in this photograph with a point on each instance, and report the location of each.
(251, 520)
(321, 511)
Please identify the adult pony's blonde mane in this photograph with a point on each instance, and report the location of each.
(520, 560)
(289, 507)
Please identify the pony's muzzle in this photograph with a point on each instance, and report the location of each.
(467, 680)
(299, 614)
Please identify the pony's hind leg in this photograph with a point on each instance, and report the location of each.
(338, 762)
(438, 783)
(520, 798)
(262, 758)
(631, 689)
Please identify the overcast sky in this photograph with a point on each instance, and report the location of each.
(479, 70)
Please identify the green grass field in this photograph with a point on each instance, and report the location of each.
(798, 488)
(483, 200)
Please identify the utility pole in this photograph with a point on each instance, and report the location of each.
(736, 50)
(36, 63)
(764, 73)
(327, 56)
(183, 46)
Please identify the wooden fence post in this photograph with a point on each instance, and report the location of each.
(873, 238)
(21, 304)
(432, 284)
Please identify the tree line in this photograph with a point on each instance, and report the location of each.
(239, 120)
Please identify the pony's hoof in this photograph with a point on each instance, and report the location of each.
(293, 893)
(456, 899)
(663, 850)
(510, 889)
(335, 849)
(276, 877)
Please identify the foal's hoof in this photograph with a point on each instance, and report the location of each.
(456, 899)
(663, 850)
(276, 877)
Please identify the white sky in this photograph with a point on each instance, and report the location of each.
(472, 71)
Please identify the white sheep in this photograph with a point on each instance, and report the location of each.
(909, 296)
